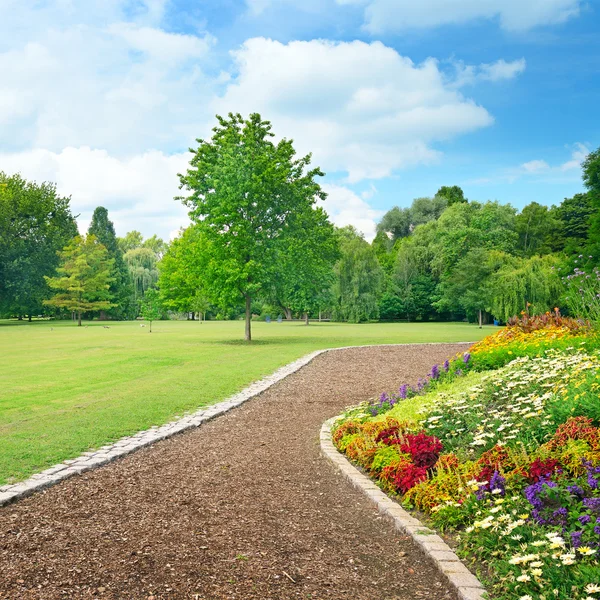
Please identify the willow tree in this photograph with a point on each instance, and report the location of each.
(531, 284)
(244, 194)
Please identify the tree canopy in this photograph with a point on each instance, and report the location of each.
(247, 195)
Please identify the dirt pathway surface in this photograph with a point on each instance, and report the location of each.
(244, 507)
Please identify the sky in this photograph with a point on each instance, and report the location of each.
(393, 98)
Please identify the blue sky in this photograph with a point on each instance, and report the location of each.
(394, 98)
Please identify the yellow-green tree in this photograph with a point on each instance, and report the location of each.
(84, 277)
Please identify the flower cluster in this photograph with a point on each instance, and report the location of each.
(510, 462)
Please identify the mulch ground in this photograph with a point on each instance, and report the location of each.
(244, 507)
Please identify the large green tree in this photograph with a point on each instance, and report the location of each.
(35, 223)
(84, 277)
(537, 228)
(358, 279)
(245, 192)
(305, 264)
(120, 288)
(182, 271)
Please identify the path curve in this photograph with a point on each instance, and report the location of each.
(242, 508)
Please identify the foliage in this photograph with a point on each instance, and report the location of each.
(85, 275)
(583, 293)
(151, 307)
(120, 285)
(510, 465)
(247, 195)
(525, 284)
(358, 281)
(35, 223)
(304, 270)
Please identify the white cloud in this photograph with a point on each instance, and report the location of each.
(535, 166)
(344, 207)
(116, 84)
(513, 15)
(579, 152)
(360, 108)
(500, 70)
(138, 191)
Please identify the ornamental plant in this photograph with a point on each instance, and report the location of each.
(509, 465)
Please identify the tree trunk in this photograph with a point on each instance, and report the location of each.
(150, 327)
(288, 314)
(319, 316)
(480, 319)
(193, 316)
(306, 318)
(20, 317)
(79, 319)
(29, 318)
(248, 332)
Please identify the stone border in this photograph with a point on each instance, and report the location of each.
(467, 586)
(92, 460)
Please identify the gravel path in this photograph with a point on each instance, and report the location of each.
(242, 508)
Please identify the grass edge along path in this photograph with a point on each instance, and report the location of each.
(68, 390)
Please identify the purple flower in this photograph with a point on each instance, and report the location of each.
(446, 365)
(403, 392)
(592, 503)
(593, 476)
(435, 372)
(576, 491)
(383, 399)
(466, 357)
(533, 492)
(458, 372)
(584, 519)
(576, 538)
(497, 482)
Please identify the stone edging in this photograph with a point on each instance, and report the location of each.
(466, 585)
(106, 454)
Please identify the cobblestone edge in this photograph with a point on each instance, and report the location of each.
(466, 585)
(92, 460)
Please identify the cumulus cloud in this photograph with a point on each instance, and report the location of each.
(120, 85)
(345, 207)
(513, 15)
(138, 191)
(360, 108)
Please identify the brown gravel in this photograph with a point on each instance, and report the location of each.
(242, 508)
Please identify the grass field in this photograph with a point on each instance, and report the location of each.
(67, 389)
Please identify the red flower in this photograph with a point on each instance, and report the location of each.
(424, 449)
(541, 468)
(408, 477)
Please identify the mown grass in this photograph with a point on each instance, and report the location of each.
(67, 389)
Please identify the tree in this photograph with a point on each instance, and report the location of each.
(142, 266)
(120, 288)
(181, 269)
(245, 194)
(525, 284)
(452, 194)
(465, 226)
(151, 308)
(591, 172)
(305, 264)
(359, 279)
(85, 275)
(35, 223)
(133, 239)
(536, 227)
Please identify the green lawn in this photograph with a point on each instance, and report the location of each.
(67, 389)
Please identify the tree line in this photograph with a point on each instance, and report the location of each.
(260, 244)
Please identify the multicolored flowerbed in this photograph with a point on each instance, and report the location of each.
(506, 460)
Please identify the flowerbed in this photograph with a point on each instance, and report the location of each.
(507, 461)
